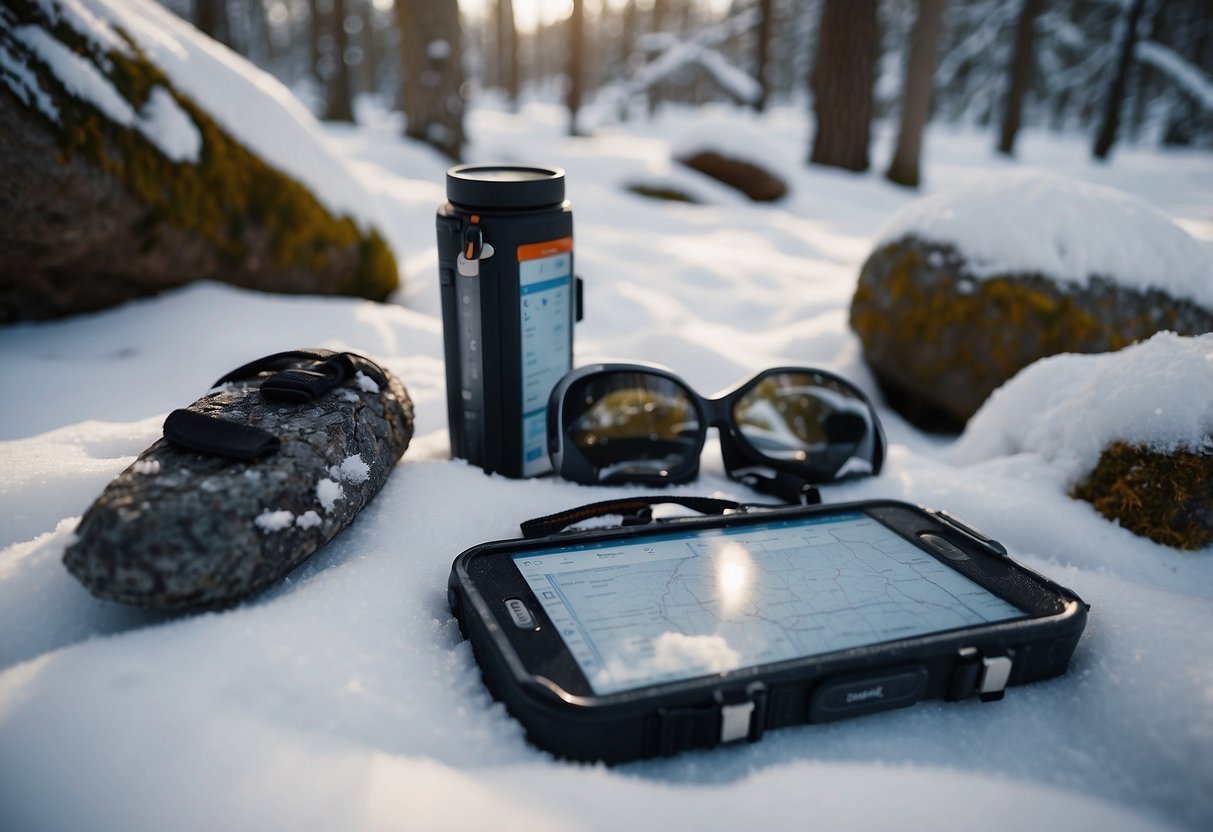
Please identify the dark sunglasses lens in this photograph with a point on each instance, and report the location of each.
(630, 425)
(811, 420)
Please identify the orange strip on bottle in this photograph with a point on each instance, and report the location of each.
(534, 251)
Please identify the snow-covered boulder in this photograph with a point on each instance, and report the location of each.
(737, 157)
(1131, 432)
(138, 155)
(966, 287)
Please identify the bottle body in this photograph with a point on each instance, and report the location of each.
(508, 307)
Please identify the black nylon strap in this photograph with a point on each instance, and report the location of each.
(635, 511)
(277, 361)
(305, 375)
(218, 437)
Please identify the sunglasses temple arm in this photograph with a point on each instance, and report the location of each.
(634, 511)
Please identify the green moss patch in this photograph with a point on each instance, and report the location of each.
(1167, 497)
(231, 197)
(940, 340)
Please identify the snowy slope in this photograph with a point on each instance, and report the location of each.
(344, 697)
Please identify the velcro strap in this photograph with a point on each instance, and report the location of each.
(299, 386)
(302, 376)
(218, 437)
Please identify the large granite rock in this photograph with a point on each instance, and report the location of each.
(972, 287)
(181, 530)
(115, 184)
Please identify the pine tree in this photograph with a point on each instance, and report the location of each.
(916, 98)
(432, 72)
(843, 76)
(1021, 75)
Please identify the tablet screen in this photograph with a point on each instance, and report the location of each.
(661, 608)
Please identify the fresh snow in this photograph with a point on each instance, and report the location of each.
(1189, 78)
(170, 127)
(729, 137)
(19, 78)
(328, 492)
(1067, 408)
(309, 519)
(274, 521)
(1042, 222)
(343, 697)
(162, 121)
(365, 383)
(352, 469)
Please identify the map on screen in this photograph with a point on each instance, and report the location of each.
(657, 609)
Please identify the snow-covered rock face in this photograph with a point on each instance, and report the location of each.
(1130, 431)
(967, 287)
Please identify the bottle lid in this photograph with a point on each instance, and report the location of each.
(505, 186)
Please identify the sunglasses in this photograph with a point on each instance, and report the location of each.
(781, 432)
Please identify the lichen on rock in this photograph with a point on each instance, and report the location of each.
(94, 211)
(946, 311)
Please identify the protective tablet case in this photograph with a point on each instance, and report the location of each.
(744, 704)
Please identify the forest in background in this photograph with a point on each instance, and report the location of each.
(1136, 71)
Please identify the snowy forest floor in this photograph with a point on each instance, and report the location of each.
(344, 698)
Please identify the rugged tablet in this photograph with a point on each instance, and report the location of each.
(626, 643)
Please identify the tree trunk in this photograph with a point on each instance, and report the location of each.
(916, 100)
(766, 11)
(657, 23)
(432, 72)
(843, 75)
(1110, 123)
(339, 99)
(576, 65)
(507, 50)
(210, 16)
(1021, 75)
(316, 28)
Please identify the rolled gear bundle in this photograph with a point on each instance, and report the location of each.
(246, 484)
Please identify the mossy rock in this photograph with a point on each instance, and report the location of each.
(753, 180)
(940, 340)
(93, 213)
(1167, 497)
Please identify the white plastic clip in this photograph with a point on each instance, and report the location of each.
(735, 721)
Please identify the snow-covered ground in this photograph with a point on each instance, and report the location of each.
(344, 697)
